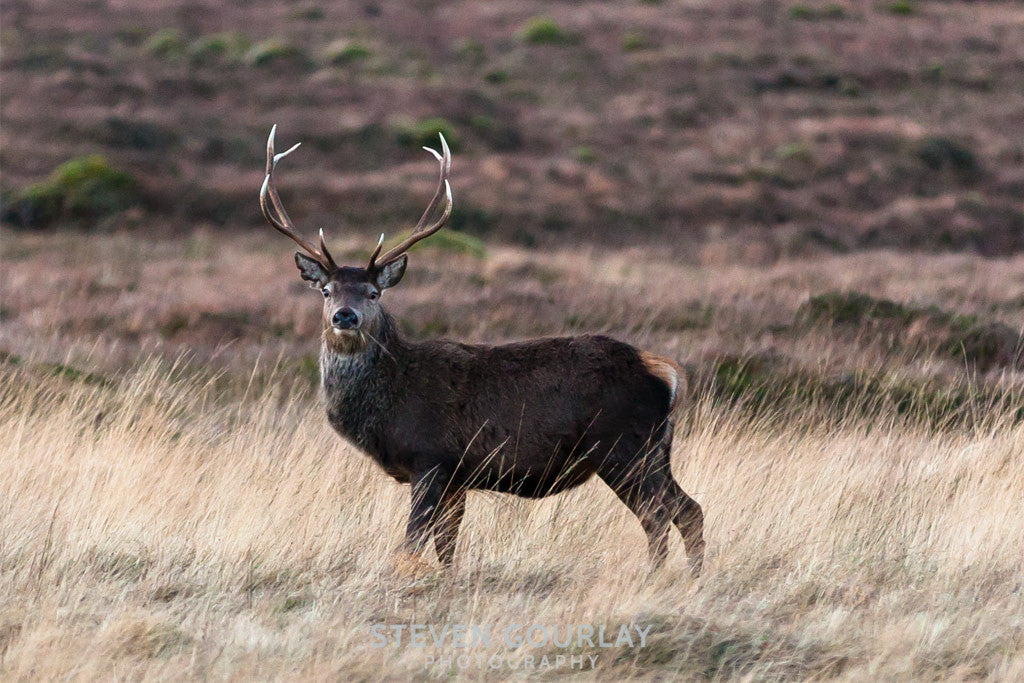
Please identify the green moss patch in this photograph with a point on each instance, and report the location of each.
(544, 31)
(82, 190)
(425, 134)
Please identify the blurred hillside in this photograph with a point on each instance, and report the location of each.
(760, 129)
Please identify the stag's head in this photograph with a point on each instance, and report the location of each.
(352, 293)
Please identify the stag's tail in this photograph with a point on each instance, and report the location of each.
(669, 372)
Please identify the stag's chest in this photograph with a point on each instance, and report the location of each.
(355, 398)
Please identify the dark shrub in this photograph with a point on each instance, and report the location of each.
(938, 152)
(424, 134)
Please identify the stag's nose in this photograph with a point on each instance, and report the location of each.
(346, 318)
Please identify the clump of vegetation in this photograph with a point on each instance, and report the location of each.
(544, 31)
(42, 58)
(987, 345)
(850, 87)
(767, 383)
(310, 13)
(276, 52)
(137, 134)
(805, 13)
(802, 12)
(131, 35)
(937, 153)
(499, 134)
(166, 44)
(984, 344)
(903, 8)
(219, 48)
(73, 374)
(454, 242)
(344, 51)
(425, 133)
(146, 639)
(833, 11)
(797, 151)
(81, 190)
(471, 51)
(496, 77)
(852, 308)
(933, 73)
(634, 41)
(584, 154)
(467, 218)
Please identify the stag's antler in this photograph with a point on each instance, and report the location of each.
(270, 202)
(422, 230)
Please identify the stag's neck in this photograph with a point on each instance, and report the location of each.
(357, 375)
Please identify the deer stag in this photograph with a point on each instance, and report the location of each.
(532, 418)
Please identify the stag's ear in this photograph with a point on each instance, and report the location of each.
(391, 274)
(311, 271)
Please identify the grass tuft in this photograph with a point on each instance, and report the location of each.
(276, 52)
(219, 48)
(343, 52)
(425, 134)
(634, 41)
(902, 8)
(984, 344)
(544, 31)
(167, 44)
(82, 190)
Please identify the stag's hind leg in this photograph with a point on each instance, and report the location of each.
(686, 513)
(648, 488)
(638, 489)
(689, 519)
(644, 502)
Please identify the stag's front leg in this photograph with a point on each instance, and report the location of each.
(446, 531)
(428, 491)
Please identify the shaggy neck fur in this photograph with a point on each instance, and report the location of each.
(356, 373)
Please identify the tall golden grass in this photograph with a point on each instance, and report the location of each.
(163, 526)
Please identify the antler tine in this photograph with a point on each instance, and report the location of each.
(326, 254)
(422, 231)
(446, 167)
(372, 263)
(270, 202)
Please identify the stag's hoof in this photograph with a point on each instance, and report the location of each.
(412, 566)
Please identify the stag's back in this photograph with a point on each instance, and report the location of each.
(531, 401)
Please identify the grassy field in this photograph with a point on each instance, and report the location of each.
(816, 207)
(175, 504)
(769, 128)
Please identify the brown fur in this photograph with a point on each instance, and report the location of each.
(668, 371)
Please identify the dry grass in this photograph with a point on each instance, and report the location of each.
(198, 519)
(153, 529)
(172, 503)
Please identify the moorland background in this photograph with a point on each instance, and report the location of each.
(817, 208)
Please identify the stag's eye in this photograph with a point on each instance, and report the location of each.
(372, 296)
(326, 292)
